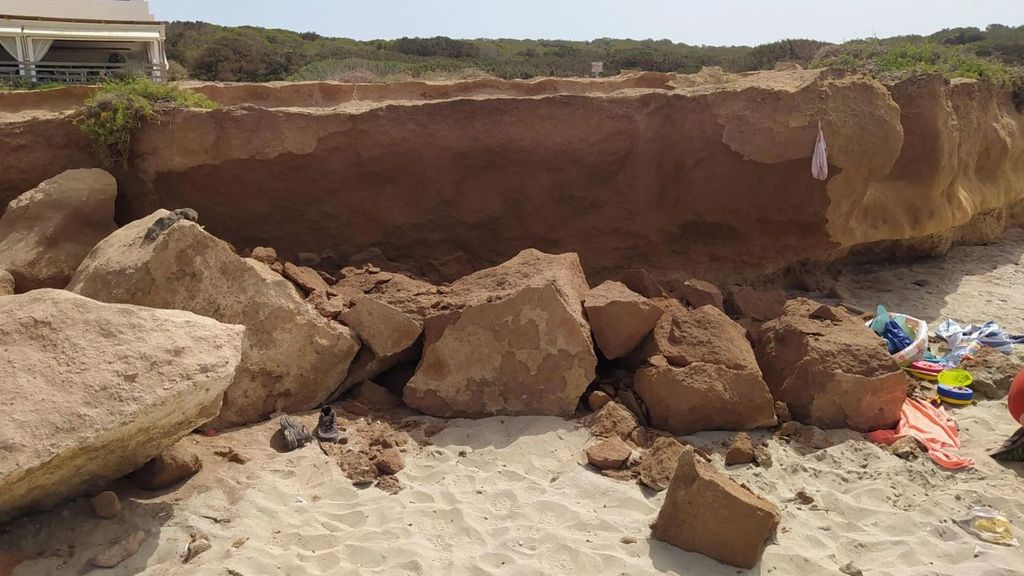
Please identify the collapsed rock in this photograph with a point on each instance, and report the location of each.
(808, 436)
(699, 373)
(266, 255)
(141, 379)
(620, 318)
(293, 358)
(172, 466)
(704, 397)
(612, 420)
(389, 461)
(706, 335)
(376, 397)
(608, 454)
(640, 281)
(597, 399)
(707, 513)
(306, 278)
(46, 232)
(659, 464)
(390, 336)
(832, 374)
(697, 293)
(741, 451)
(514, 342)
(745, 302)
(106, 505)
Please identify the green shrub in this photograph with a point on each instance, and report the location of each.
(111, 116)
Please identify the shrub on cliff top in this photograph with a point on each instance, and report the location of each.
(121, 106)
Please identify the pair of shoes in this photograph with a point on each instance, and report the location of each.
(327, 427)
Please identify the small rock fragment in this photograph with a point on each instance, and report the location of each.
(597, 400)
(106, 505)
(782, 412)
(266, 255)
(629, 475)
(389, 461)
(608, 454)
(173, 466)
(851, 570)
(762, 456)
(198, 543)
(389, 484)
(305, 278)
(741, 451)
(906, 448)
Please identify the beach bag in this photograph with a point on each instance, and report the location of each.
(819, 162)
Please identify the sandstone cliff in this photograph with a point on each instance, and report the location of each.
(707, 174)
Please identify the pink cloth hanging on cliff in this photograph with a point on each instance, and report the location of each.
(819, 163)
(932, 427)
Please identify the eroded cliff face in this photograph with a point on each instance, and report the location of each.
(706, 174)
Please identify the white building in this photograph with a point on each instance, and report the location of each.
(79, 41)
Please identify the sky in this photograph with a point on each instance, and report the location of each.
(711, 22)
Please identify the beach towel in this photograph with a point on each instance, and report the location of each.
(819, 162)
(965, 340)
(932, 427)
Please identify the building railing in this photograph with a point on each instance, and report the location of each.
(75, 72)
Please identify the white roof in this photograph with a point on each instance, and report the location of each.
(133, 10)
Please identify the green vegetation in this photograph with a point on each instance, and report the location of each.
(248, 54)
(895, 60)
(19, 84)
(121, 106)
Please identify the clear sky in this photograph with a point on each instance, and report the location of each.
(714, 22)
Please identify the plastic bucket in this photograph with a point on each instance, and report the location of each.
(918, 347)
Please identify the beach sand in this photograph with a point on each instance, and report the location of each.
(510, 495)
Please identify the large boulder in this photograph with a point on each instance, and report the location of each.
(514, 342)
(93, 391)
(698, 372)
(619, 317)
(707, 513)
(46, 232)
(390, 337)
(293, 358)
(706, 334)
(704, 396)
(830, 369)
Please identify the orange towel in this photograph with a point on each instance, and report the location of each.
(932, 427)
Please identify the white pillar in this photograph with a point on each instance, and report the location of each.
(21, 57)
